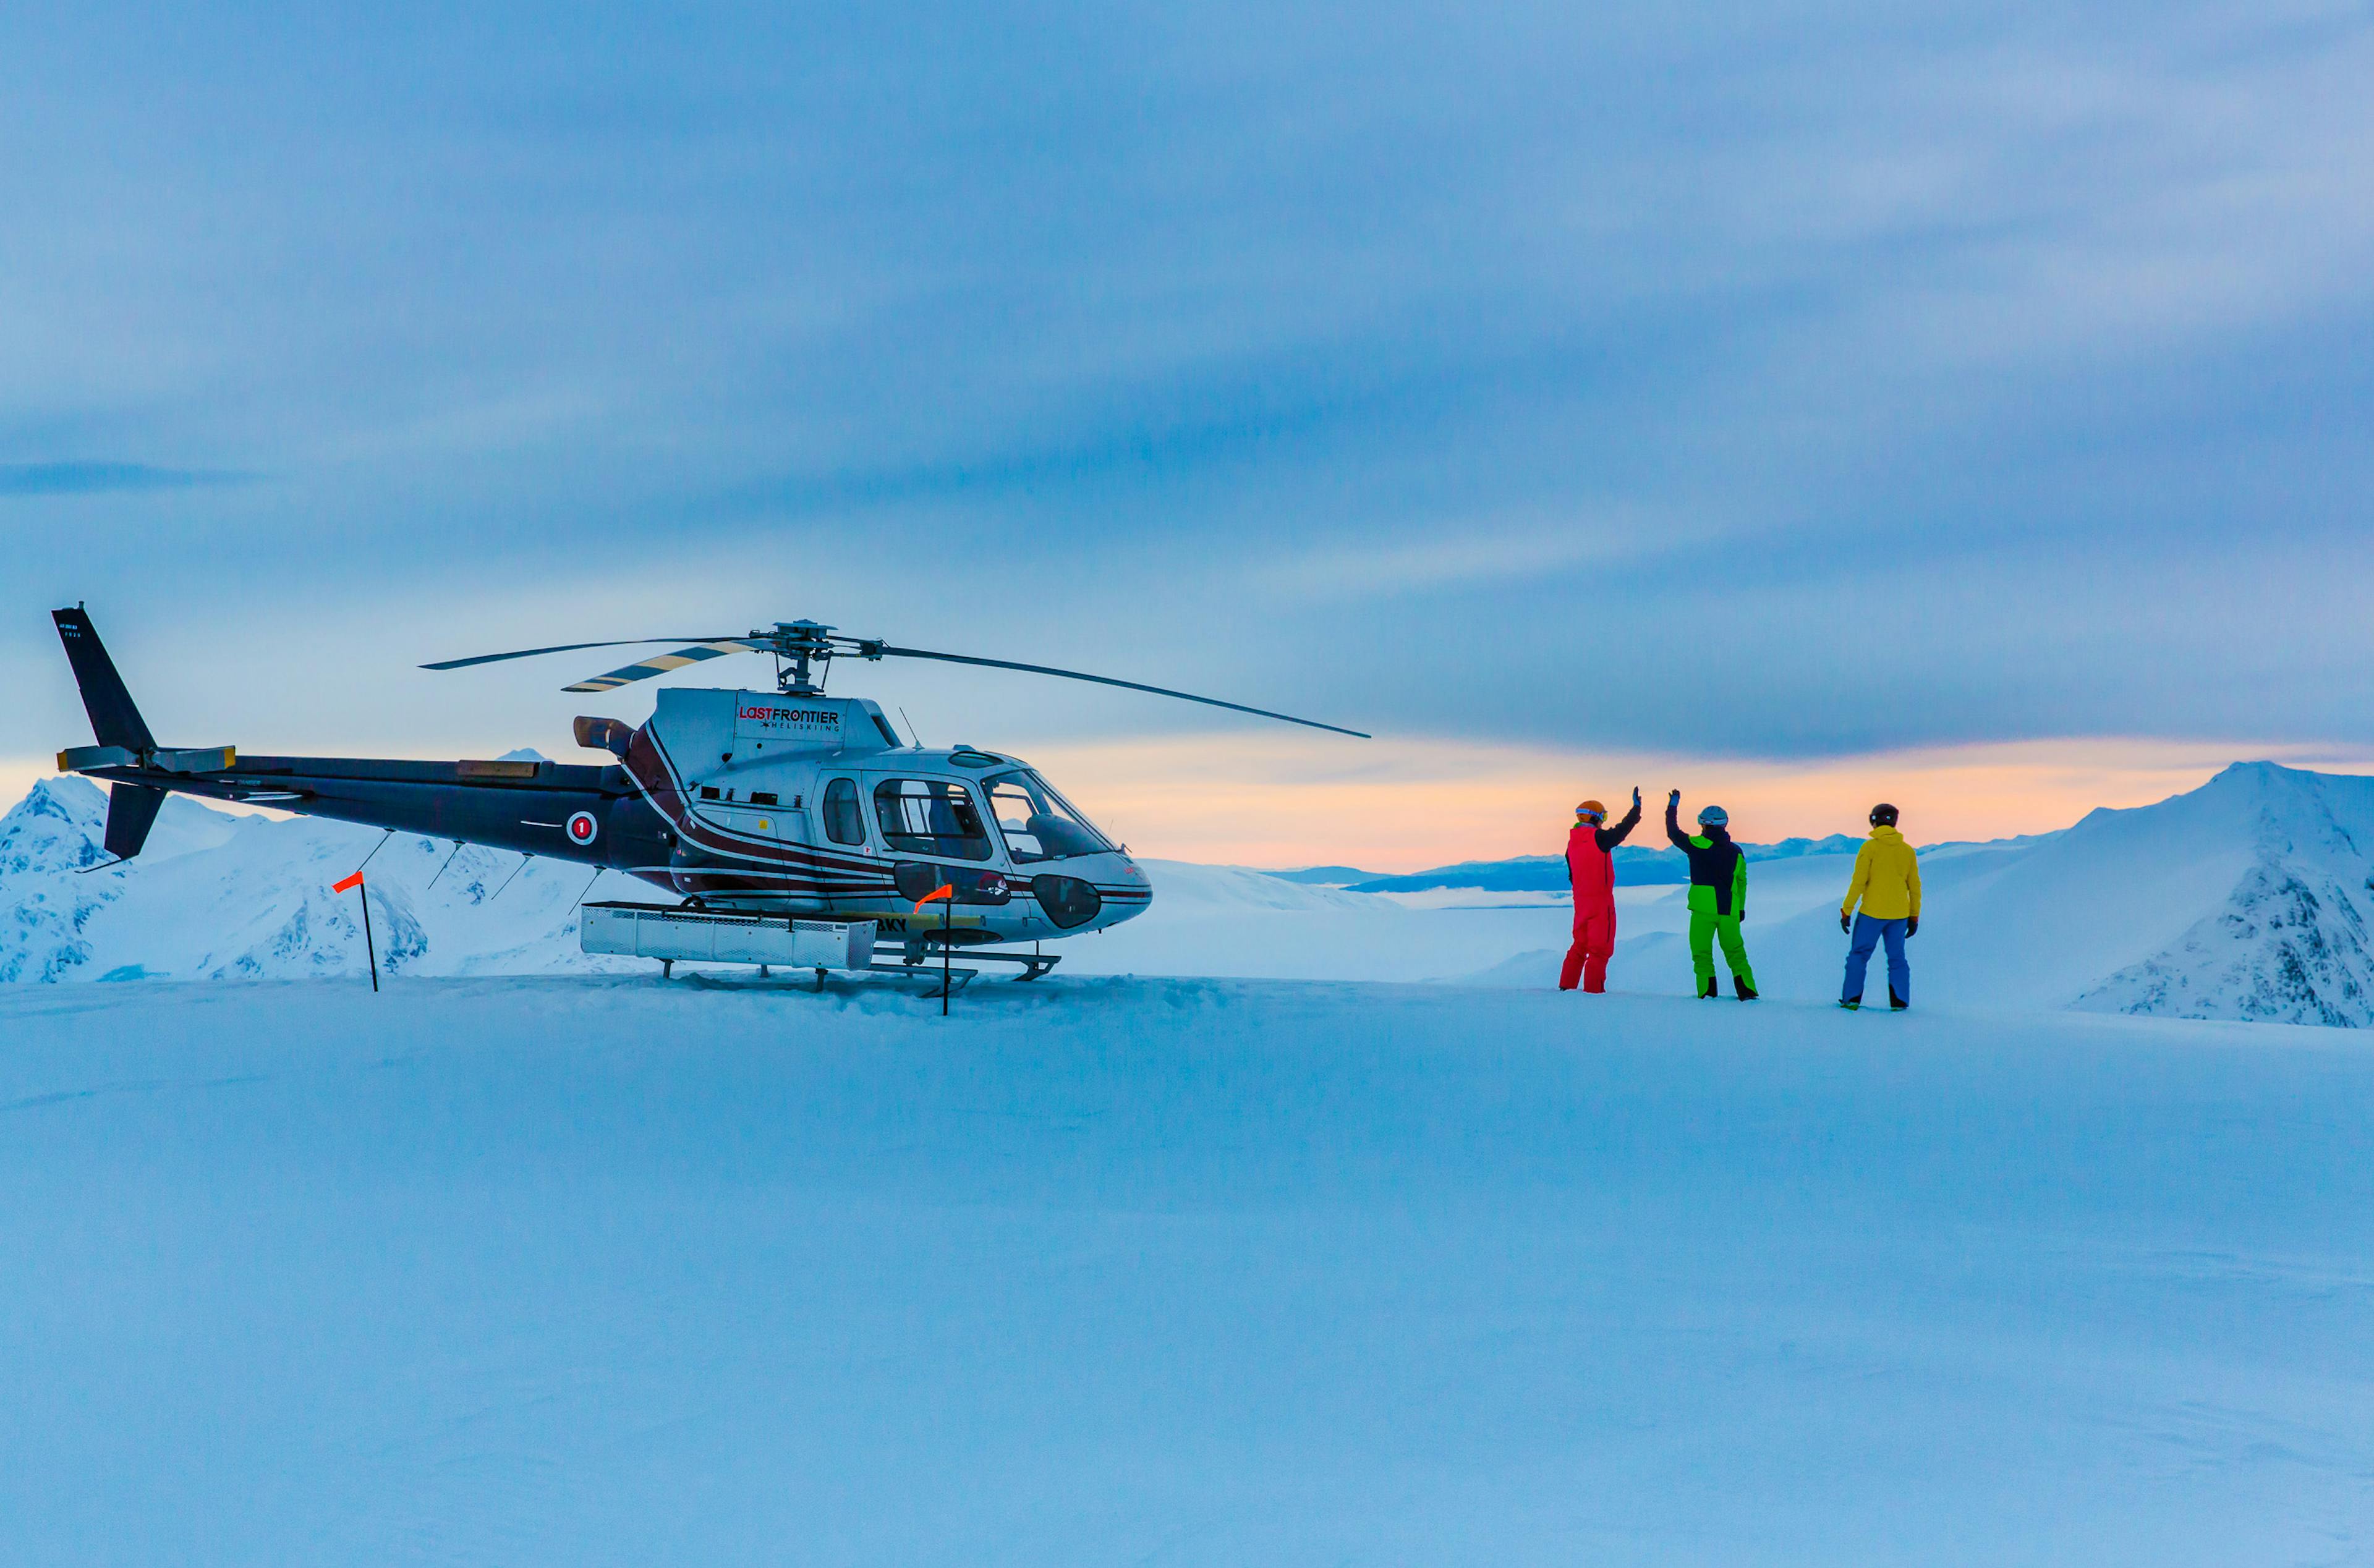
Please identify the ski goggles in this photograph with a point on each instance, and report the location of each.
(1590, 816)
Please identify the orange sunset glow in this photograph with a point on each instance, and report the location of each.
(1392, 805)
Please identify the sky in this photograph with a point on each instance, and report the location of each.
(1797, 404)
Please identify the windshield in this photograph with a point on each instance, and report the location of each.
(1038, 824)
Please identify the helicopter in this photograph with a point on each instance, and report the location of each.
(787, 810)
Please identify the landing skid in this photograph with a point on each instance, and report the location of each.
(958, 979)
(1033, 965)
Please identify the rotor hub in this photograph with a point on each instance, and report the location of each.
(803, 651)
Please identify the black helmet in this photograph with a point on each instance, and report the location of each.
(1883, 816)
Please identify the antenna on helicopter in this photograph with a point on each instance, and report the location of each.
(803, 651)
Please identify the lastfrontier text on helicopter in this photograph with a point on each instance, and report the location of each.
(757, 715)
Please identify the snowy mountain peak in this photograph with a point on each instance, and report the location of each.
(59, 825)
(70, 798)
(2289, 941)
(46, 840)
(2259, 773)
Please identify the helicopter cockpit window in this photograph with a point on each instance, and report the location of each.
(843, 822)
(930, 816)
(1038, 824)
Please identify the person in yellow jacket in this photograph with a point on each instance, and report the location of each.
(1887, 884)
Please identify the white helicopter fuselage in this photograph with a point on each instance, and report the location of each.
(809, 805)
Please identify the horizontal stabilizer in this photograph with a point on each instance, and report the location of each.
(81, 759)
(195, 759)
(166, 759)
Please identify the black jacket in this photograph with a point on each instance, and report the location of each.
(1714, 860)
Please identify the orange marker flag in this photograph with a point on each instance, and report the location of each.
(945, 890)
(370, 948)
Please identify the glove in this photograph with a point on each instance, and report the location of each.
(1912, 926)
(1674, 799)
(1846, 923)
(1635, 796)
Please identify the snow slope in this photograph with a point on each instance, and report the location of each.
(1230, 921)
(593, 1270)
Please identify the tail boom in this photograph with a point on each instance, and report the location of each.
(593, 816)
(526, 806)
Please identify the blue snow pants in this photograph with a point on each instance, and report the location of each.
(1868, 934)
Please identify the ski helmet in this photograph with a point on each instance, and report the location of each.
(1713, 817)
(1883, 816)
(1593, 810)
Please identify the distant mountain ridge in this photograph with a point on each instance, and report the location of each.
(1639, 864)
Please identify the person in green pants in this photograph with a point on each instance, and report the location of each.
(1718, 895)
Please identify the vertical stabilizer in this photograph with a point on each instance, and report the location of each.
(114, 718)
(131, 812)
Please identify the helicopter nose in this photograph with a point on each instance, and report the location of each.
(1068, 901)
(1130, 893)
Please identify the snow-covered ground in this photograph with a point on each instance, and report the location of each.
(594, 1269)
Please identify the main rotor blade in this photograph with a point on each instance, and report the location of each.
(563, 648)
(1107, 681)
(661, 663)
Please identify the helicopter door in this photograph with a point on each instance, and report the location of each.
(840, 825)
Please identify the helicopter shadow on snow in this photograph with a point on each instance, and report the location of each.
(998, 996)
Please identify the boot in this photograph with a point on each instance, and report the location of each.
(1708, 989)
(1747, 992)
(1852, 1004)
(1894, 1002)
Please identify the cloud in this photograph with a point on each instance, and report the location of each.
(100, 478)
(1456, 555)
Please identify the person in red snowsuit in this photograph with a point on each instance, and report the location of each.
(1593, 872)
